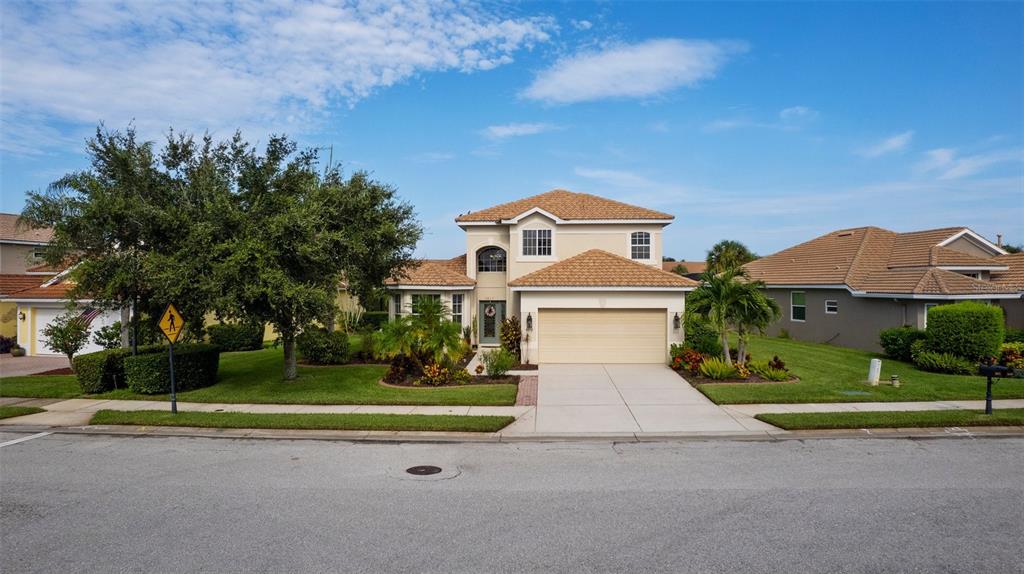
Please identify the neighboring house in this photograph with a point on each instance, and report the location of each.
(846, 286)
(21, 266)
(582, 273)
(694, 269)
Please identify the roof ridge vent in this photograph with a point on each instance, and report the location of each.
(845, 234)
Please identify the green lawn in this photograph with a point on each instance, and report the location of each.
(7, 412)
(831, 374)
(449, 423)
(900, 419)
(255, 377)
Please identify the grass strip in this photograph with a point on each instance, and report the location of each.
(355, 421)
(7, 412)
(894, 419)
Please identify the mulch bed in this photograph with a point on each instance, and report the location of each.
(474, 380)
(525, 367)
(61, 371)
(752, 379)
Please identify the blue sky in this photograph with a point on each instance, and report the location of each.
(768, 123)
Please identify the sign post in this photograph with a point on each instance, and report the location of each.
(172, 324)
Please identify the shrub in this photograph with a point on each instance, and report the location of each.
(1014, 336)
(498, 362)
(17, 351)
(195, 366)
(769, 373)
(511, 335)
(717, 369)
(104, 370)
(323, 348)
(244, 336)
(1012, 355)
(701, 336)
(897, 341)
(66, 334)
(777, 363)
(373, 320)
(967, 329)
(7, 343)
(402, 367)
(366, 350)
(108, 337)
(944, 363)
(916, 348)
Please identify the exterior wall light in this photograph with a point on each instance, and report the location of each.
(675, 322)
(529, 322)
(21, 316)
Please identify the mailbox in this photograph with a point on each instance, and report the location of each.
(989, 371)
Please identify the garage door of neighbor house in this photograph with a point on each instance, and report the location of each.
(602, 335)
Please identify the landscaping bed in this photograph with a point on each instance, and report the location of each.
(414, 382)
(893, 419)
(315, 421)
(60, 371)
(696, 379)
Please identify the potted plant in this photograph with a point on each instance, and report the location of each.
(17, 351)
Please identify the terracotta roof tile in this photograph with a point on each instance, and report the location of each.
(38, 289)
(436, 273)
(10, 230)
(597, 268)
(566, 205)
(14, 283)
(1013, 277)
(691, 266)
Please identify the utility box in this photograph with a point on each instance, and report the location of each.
(874, 372)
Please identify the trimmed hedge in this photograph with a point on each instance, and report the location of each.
(700, 336)
(247, 336)
(195, 366)
(104, 370)
(373, 320)
(968, 329)
(322, 348)
(898, 340)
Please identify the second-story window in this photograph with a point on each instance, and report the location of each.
(640, 245)
(490, 259)
(536, 242)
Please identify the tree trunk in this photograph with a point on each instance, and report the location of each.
(329, 324)
(290, 368)
(126, 317)
(725, 347)
(741, 350)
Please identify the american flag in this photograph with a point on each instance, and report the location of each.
(88, 315)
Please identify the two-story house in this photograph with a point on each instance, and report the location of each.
(582, 274)
(846, 286)
(21, 266)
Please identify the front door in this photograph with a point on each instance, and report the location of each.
(491, 314)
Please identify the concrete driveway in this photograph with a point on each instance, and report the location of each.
(625, 398)
(19, 366)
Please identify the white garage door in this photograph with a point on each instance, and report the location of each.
(602, 335)
(44, 315)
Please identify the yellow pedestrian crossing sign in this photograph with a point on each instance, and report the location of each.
(172, 324)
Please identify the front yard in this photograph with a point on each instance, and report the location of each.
(255, 377)
(831, 374)
(900, 419)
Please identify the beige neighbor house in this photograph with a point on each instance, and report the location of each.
(581, 273)
(846, 286)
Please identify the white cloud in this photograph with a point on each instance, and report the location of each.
(582, 24)
(793, 118)
(515, 130)
(797, 113)
(946, 163)
(891, 144)
(270, 66)
(433, 157)
(632, 71)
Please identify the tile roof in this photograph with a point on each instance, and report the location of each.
(1013, 277)
(876, 260)
(14, 283)
(10, 230)
(436, 273)
(691, 266)
(38, 288)
(566, 205)
(597, 268)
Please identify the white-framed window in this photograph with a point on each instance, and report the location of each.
(537, 242)
(640, 245)
(927, 307)
(491, 259)
(457, 308)
(37, 254)
(417, 297)
(831, 307)
(396, 302)
(797, 306)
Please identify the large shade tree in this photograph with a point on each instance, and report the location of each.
(727, 255)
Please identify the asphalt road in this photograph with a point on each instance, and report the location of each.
(101, 504)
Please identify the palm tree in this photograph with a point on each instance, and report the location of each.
(752, 310)
(728, 254)
(425, 336)
(715, 301)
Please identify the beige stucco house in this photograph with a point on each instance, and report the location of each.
(582, 274)
(846, 286)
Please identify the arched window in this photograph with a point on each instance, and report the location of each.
(490, 259)
(640, 245)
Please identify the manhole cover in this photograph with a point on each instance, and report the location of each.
(423, 470)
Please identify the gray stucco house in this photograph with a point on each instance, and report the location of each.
(846, 286)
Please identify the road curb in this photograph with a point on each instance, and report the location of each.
(485, 438)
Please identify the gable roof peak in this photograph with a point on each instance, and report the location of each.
(565, 205)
